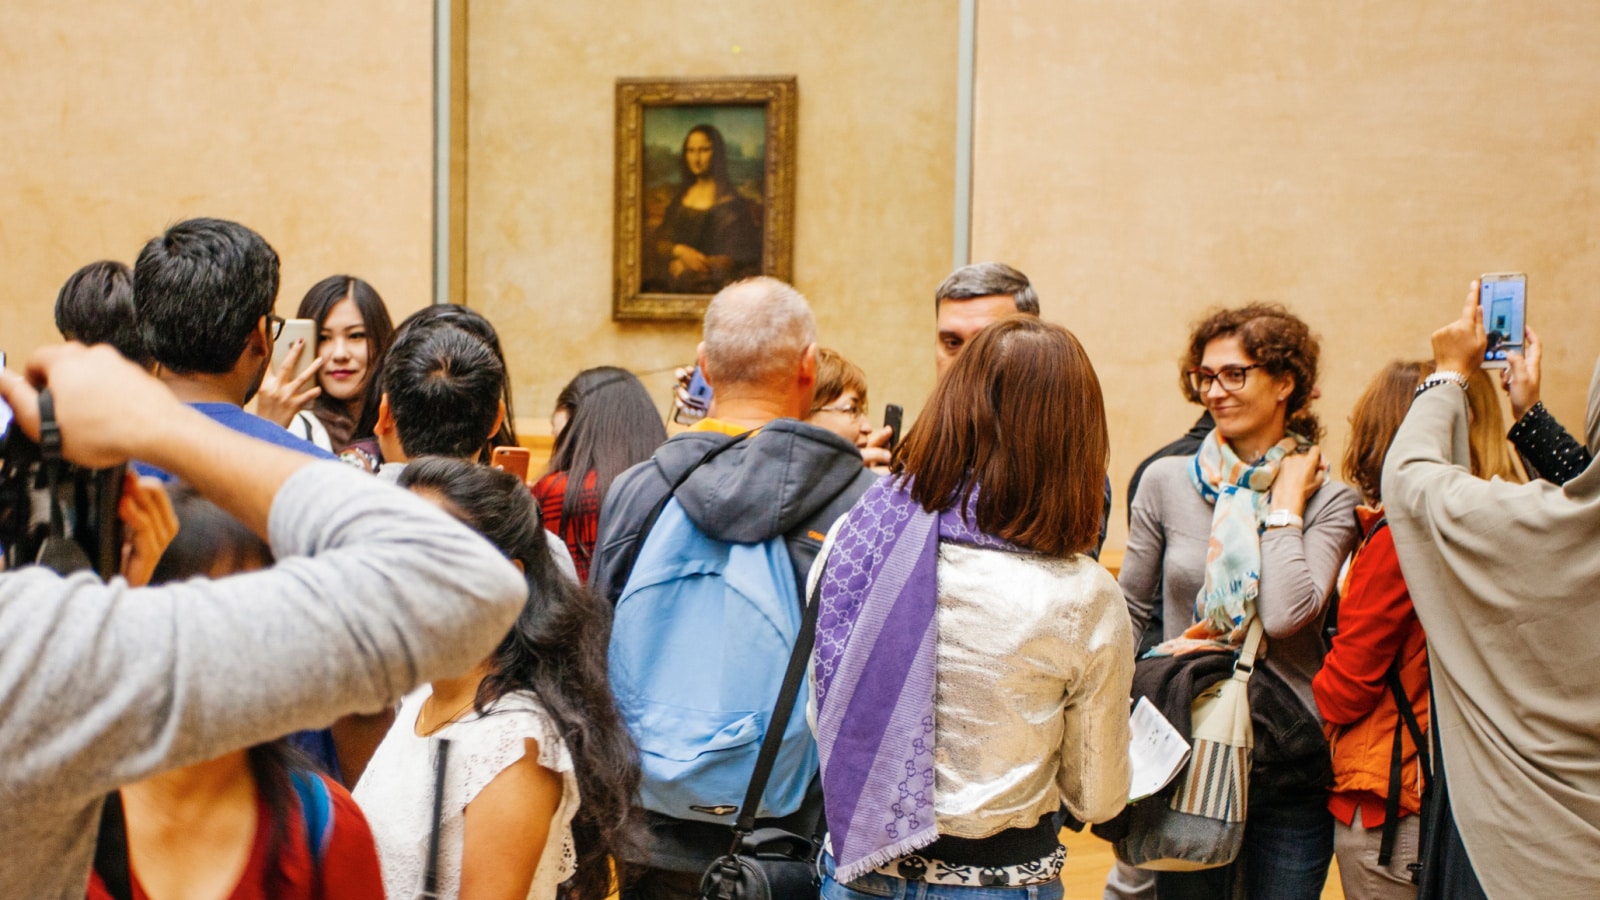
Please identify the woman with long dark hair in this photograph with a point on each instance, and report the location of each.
(972, 664)
(1247, 528)
(540, 775)
(353, 334)
(709, 235)
(254, 823)
(607, 424)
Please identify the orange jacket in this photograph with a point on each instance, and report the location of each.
(1376, 624)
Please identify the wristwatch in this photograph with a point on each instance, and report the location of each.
(1282, 518)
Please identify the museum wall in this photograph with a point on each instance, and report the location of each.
(1359, 163)
(310, 122)
(874, 176)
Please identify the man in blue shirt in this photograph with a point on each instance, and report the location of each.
(203, 295)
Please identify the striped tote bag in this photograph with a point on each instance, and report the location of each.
(1201, 826)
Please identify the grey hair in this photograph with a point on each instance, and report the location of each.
(987, 280)
(756, 331)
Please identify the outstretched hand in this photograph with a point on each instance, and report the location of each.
(1521, 377)
(876, 455)
(107, 407)
(1459, 346)
(284, 394)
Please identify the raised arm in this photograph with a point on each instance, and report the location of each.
(374, 592)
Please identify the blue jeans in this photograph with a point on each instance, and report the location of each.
(1287, 848)
(875, 886)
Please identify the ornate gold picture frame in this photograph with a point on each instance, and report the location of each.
(705, 190)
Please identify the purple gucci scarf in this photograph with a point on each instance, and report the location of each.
(874, 667)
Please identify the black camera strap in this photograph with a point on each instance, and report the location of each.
(58, 552)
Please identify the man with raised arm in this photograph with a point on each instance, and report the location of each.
(374, 593)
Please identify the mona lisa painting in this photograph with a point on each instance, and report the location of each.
(705, 190)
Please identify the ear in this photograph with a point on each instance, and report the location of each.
(259, 341)
(1286, 386)
(385, 423)
(700, 361)
(808, 365)
(499, 417)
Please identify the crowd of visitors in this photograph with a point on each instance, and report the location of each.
(348, 656)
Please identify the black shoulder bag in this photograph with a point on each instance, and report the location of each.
(770, 863)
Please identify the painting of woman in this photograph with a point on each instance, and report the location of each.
(709, 234)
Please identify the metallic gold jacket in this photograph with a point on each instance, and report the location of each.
(1035, 661)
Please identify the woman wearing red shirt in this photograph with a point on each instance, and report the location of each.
(1378, 634)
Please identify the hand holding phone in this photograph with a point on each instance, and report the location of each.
(892, 414)
(512, 459)
(693, 402)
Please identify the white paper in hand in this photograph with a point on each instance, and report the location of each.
(1156, 751)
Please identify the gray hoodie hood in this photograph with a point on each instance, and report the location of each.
(764, 488)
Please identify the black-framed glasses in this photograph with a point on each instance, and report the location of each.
(1232, 378)
(274, 325)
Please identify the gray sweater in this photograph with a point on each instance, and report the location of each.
(1166, 562)
(374, 593)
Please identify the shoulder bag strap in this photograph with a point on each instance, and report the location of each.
(1391, 810)
(111, 849)
(430, 877)
(1246, 663)
(793, 677)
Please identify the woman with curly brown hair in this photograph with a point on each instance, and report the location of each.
(1250, 527)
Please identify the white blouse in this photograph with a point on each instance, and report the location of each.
(396, 791)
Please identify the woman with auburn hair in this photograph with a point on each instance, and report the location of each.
(963, 577)
(1248, 527)
(1377, 792)
(840, 402)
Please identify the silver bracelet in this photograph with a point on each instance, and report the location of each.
(1443, 376)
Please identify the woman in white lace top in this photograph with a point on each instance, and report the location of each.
(540, 772)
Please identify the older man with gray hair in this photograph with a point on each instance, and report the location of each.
(750, 472)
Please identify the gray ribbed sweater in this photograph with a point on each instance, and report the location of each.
(374, 593)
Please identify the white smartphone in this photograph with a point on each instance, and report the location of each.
(296, 329)
(1504, 298)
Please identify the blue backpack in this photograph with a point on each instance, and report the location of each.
(702, 635)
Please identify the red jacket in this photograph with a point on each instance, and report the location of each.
(1376, 624)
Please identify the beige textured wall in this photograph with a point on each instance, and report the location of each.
(310, 122)
(873, 194)
(1359, 162)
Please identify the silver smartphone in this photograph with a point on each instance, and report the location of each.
(1504, 298)
(295, 329)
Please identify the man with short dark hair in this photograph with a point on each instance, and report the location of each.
(973, 296)
(203, 296)
(442, 395)
(95, 306)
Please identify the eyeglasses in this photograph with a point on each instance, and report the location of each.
(274, 325)
(1231, 378)
(853, 410)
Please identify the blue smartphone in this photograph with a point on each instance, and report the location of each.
(698, 403)
(1504, 298)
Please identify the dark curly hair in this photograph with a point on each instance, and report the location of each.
(1274, 338)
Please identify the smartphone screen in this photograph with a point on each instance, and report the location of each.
(1504, 298)
(698, 403)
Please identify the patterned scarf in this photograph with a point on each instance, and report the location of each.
(1238, 491)
(874, 670)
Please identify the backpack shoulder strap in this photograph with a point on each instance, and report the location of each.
(632, 554)
(1408, 715)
